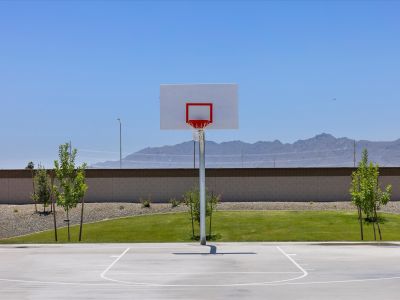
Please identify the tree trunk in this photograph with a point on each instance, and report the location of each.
(375, 214)
(69, 235)
(373, 226)
(210, 229)
(191, 215)
(53, 208)
(80, 228)
(379, 230)
(211, 213)
(55, 222)
(377, 224)
(361, 222)
(360, 213)
(34, 191)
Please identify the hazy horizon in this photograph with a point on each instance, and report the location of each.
(113, 156)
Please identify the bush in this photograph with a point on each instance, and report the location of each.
(146, 203)
(174, 202)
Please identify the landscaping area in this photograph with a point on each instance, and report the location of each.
(58, 197)
(232, 226)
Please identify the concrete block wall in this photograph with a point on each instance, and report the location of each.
(321, 188)
(130, 185)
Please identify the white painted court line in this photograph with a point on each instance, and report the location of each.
(41, 282)
(148, 284)
(305, 273)
(102, 275)
(342, 281)
(70, 283)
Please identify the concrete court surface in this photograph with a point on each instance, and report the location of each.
(189, 271)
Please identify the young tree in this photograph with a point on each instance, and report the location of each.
(43, 188)
(357, 195)
(31, 166)
(366, 193)
(192, 201)
(71, 186)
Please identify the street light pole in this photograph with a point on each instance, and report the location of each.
(120, 143)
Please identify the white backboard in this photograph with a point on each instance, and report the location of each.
(173, 99)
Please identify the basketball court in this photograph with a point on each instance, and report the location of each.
(191, 271)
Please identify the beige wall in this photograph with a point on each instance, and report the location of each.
(308, 188)
(233, 185)
(132, 189)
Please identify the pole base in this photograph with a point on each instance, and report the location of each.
(203, 242)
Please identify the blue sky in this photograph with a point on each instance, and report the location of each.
(69, 70)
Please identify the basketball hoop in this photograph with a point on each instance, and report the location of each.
(199, 115)
(190, 106)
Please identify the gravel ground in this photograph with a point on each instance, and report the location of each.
(22, 219)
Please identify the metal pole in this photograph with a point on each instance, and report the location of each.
(120, 143)
(354, 154)
(194, 154)
(202, 186)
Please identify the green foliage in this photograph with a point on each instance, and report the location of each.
(174, 202)
(192, 200)
(356, 192)
(71, 186)
(30, 166)
(42, 185)
(366, 192)
(146, 203)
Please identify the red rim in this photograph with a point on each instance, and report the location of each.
(198, 124)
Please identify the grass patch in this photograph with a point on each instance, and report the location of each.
(228, 226)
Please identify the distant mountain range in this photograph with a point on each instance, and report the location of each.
(323, 150)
